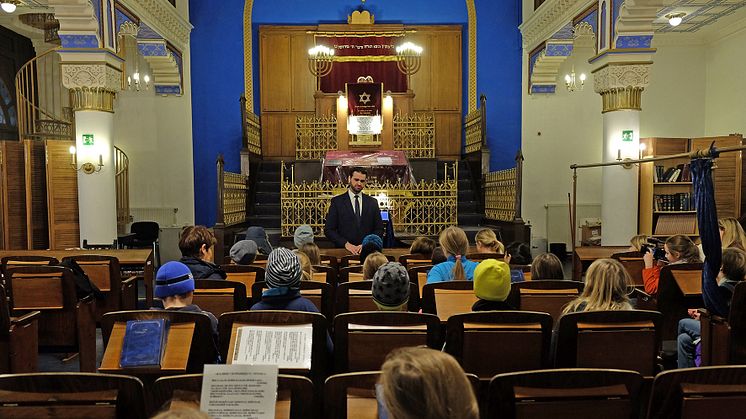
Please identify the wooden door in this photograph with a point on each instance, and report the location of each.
(13, 196)
(62, 196)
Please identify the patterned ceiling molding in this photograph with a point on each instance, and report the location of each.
(632, 23)
(79, 24)
(544, 64)
(549, 18)
(249, 64)
(164, 60)
(163, 18)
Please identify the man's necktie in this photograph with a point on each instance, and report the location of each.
(357, 209)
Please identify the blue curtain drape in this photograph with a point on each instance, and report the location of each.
(707, 220)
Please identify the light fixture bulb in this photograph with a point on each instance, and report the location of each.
(72, 149)
(8, 7)
(146, 78)
(567, 78)
(642, 146)
(136, 76)
(582, 77)
(675, 19)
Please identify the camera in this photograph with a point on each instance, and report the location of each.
(656, 247)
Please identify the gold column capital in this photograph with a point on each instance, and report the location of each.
(93, 85)
(621, 85)
(92, 99)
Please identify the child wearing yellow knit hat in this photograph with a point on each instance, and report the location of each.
(492, 286)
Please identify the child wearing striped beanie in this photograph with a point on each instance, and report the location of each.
(283, 276)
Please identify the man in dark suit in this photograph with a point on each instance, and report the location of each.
(353, 214)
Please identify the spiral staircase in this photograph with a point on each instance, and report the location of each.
(45, 115)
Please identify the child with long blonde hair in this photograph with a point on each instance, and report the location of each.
(607, 288)
(454, 243)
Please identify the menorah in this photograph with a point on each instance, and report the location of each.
(409, 59)
(320, 62)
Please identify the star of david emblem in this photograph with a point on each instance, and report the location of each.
(364, 98)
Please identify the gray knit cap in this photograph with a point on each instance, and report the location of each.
(303, 234)
(390, 285)
(283, 269)
(244, 252)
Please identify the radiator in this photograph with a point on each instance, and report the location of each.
(558, 221)
(163, 216)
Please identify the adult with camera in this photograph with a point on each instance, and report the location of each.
(678, 249)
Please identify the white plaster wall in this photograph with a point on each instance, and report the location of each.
(726, 86)
(571, 132)
(673, 105)
(156, 134)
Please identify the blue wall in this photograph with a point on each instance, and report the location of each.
(217, 70)
(499, 55)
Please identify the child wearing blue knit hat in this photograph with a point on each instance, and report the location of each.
(174, 285)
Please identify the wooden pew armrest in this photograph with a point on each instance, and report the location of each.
(26, 318)
(131, 280)
(704, 313)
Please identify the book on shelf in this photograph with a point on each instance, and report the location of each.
(682, 201)
(144, 343)
(671, 224)
(680, 173)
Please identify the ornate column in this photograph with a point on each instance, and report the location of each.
(94, 77)
(620, 85)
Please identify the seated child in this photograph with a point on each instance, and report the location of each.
(391, 287)
(492, 286)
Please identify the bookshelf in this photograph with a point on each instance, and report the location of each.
(666, 204)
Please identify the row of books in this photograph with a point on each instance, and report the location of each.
(682, 201)
(670, 224)
(680, 173)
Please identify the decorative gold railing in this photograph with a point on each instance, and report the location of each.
(122, 181)
(251, 129)
(314, 136)
(423, 208)
(43, 102)
(502, 193)
(474, 130)
(415, 135)
(233, 194)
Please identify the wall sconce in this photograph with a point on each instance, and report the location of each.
(133, 83)
(88, 167)
(342, 101)
(626, 159)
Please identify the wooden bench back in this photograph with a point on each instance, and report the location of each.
(610, 339)
(492, 342)
(448, 298)
(246, 275)
(362, 340)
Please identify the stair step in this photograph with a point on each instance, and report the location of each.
(267, 198)
(265, 186)
(465, 195)
(468, 206)
(266, 221)
(266, 209)
(469, 219)
(268, 176)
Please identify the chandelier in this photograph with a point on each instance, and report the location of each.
(572, 82)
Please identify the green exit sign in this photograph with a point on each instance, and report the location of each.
(87, 139)
(627, 135)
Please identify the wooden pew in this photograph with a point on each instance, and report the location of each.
(724, 340)
(546, 296)
(679, 289)
(448, 298)
(19, 339)
(219, 296)
(566, 393)
(633, 263)
(104, 272)
(357, 296)
(66, 324)
(295, 395)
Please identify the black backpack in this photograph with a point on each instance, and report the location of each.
(83, 284)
